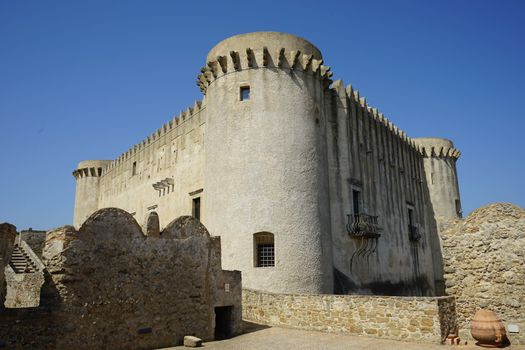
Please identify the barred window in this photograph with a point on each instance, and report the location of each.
(264, 249)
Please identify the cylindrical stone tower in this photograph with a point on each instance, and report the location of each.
(439, 160)
(87, 175)
(266, 168)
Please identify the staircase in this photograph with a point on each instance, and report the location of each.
(21, 262)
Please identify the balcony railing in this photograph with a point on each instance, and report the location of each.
(363, 225)
(413, 233)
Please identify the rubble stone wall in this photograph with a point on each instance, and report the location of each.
(7, 241)
(484, 258)
(35, 239)
(109, 286)
(422, 319)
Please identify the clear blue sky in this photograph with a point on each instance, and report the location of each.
(88, 79)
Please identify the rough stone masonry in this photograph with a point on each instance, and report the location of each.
(484, 257)
(109, 286)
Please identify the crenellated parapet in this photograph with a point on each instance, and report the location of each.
(165, 129)
(351, 94)
(427, 147)
(260, 58)
(90, 168)
(437, 148)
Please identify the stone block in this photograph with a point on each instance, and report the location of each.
(192, 342)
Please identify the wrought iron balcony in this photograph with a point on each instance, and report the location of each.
(413, 233)
(363, 225)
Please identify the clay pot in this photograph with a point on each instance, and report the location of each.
(487, 329)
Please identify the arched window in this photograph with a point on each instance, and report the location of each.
(264, 249)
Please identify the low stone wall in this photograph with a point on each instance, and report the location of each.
(484, 258)
(423, 319)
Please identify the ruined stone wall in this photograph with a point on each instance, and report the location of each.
(484, 259)
(369, 154)
(35, 239)
(422, 319)
(7, 242)
(23, 289)
(108, 286)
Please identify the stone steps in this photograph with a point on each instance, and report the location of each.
(21, 262)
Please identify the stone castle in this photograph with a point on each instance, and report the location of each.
(335, 220)
(310, 188)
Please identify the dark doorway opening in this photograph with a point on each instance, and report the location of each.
(223, 322)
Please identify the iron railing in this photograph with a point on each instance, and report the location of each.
(363, 225)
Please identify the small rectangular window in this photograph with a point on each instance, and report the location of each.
(459, 212)
(264, 249)
(134, 170)
(410, 216)
(413, 231)
(196, 208)
(245, 93)
(356, 201)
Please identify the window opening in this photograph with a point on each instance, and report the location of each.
(196, 208)
(264, 250)
(245, 93)
(134, 170)
(413, 232)
(459, 212)
(356, 201)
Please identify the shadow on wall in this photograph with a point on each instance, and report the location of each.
(108, 285)
(418, 286)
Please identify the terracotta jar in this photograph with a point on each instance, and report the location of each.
(487, 329)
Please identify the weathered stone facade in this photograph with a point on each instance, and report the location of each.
(23, 289)
(34, 239)
(484, 259)
(7, 242)
(109, 286)
(424, 319)
(343, 191)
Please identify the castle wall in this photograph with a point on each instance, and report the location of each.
(109, 286)
(87, 191)
(286, 162)
(266, 167)
(171, 159)
(439, 159)
(369, 154)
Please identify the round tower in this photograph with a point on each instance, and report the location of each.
(439, 159)
(266, 183)
(87, 175)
